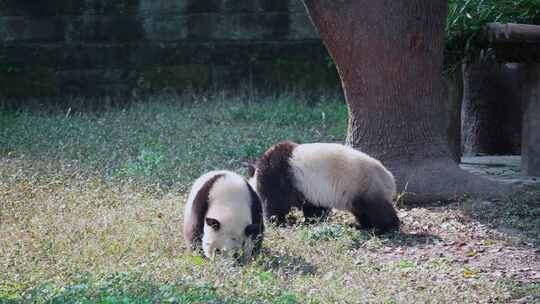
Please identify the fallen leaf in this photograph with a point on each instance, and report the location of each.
(467, 273)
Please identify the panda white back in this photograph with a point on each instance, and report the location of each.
(332, 175)
(197, 185)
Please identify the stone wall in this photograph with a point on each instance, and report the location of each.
(96, 47)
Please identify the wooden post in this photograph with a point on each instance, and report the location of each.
(530, 143)
(497, 33)
(454, 88)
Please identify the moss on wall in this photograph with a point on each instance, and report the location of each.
(27, 82)
(175, 77)
(284, 72)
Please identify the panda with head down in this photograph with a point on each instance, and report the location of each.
(223, 215)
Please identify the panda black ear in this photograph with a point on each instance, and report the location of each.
(213, 223)
(251, 170)
(252, 229)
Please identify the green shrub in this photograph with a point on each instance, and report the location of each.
(467, 17)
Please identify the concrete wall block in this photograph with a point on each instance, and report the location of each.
(30, 29)
(68, 7)
(165, 28)
(275, 5)
(297, 6)
(200, 27)
(301, 27)
(71, 29)
(102, 7)
(103, 29)
(163, 7)
(264, 26)
(204, 6)
(107, 81)
(241, 6)
(257, 6)
(67, 57)
(93, 47)
(117, 55)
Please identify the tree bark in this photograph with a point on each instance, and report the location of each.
(389, 56)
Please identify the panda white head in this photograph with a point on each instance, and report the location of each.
(228, 226)
(228, 236)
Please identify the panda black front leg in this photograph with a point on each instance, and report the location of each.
(375, 213)
(313, 213)
(277, 216)
(362, 220)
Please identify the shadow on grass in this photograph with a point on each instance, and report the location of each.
(517, 215)
(405, 239)
(285, 263)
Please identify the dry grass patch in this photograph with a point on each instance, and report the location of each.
(60, 227)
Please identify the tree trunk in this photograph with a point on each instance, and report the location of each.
(389, 56)
(491, 115)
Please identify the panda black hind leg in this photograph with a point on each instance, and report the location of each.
(376, 214)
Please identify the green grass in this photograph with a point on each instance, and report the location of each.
(119, 288)
(168, 142)
(91, 212)
(132, 288)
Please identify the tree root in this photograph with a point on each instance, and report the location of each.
(440, 180)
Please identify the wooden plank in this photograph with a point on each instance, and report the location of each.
(512, 33)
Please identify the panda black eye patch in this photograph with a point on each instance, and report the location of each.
(213, 223)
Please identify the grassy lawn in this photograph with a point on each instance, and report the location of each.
(91, 211)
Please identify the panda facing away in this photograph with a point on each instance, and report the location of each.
(317, 177)
(223, 214)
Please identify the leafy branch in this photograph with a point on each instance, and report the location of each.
(466, 19)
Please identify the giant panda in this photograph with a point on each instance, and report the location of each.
(316, 177)
(223, 214)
